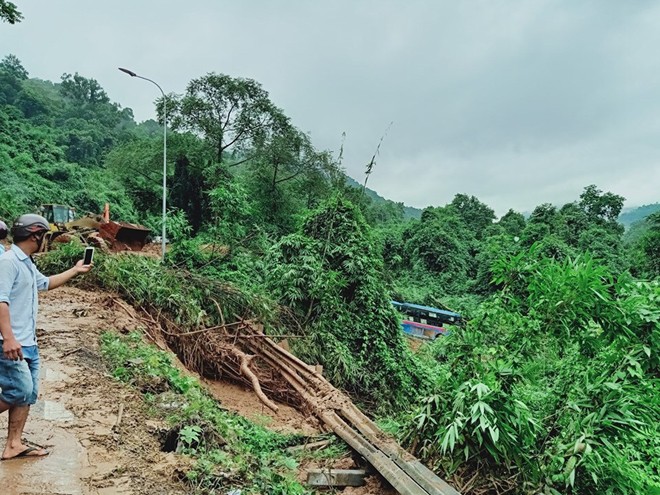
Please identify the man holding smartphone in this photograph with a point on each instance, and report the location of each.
(19, 363)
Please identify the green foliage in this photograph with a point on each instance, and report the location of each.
(9, 12)
(12, 65)
(589, 224)
(82, 90)
(138, 164)
(604, 206)
(53, 143)
(650, 247)
(436, 253)
(177, 225)
(330, 274)
(476, 215)
(512, 222)
(551, 381)
(230, 207)
(288, 176)
(63, 257)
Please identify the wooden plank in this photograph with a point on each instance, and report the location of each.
(427, 479)
(336, 477)
(399, 480)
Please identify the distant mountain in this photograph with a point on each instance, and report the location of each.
(632, 215)
(408, 211)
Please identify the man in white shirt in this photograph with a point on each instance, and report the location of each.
(19, 363)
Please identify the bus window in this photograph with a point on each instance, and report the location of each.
(425, 322)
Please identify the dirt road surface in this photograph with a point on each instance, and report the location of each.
(94, 448)
(76, 416)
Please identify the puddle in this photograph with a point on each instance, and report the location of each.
(54, 372)
(51, 375)
(55, 474)
(51, 411)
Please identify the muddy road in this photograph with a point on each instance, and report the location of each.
(100, 436)
(92, 450)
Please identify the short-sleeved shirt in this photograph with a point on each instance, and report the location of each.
(2, 248)
(19, 283)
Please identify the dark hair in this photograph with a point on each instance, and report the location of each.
(20, 238)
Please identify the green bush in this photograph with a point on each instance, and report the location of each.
(553, 382)
(330, 274)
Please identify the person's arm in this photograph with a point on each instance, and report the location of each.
(55, 281)
(11, 348)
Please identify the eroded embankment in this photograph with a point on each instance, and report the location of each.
(102, 438)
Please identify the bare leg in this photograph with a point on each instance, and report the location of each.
(17, 418)
(3, 406)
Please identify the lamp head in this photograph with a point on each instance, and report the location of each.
(129, 72)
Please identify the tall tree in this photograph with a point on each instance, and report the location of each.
(604, 205)
(82, 90)
(441, 245)
(288, 174)
(542, 222)
(9, 12)
(12, 65)
(476, 215)
(512, 222)
(187, 192)
(232, 114)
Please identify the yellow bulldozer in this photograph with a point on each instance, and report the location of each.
(93, 230)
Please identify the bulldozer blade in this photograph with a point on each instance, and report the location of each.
(122, 236)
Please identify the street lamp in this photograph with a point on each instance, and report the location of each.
(133, 74)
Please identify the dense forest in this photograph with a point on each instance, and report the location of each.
(551, 385)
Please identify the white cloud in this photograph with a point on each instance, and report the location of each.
(516, 102)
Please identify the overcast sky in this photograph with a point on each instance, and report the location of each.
(516, 102)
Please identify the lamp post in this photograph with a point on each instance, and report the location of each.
(133, 74)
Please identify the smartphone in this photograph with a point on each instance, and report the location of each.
(89, 256)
